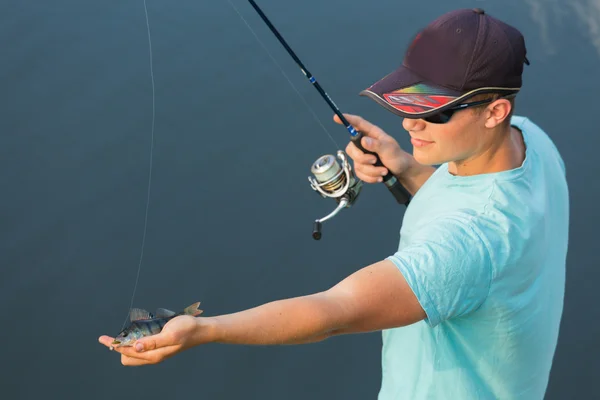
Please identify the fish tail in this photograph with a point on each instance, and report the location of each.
(192, 310)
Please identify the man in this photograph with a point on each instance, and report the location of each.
(470, 304)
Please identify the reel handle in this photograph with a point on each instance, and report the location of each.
(398, 191)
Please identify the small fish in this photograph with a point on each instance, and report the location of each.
(144, 323)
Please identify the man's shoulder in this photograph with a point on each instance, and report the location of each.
(518, 120)
(537, 137)
(486, 228)
(459, 224)
(529, 128)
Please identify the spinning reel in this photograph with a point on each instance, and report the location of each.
(336, 181)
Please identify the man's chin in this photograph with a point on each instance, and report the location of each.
(426, 159)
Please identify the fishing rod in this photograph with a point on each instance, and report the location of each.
(333, 180)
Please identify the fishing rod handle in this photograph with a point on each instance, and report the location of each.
(399, 192)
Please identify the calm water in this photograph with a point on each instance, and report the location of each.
(231, 209)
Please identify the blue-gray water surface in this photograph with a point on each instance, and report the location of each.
(231, 210)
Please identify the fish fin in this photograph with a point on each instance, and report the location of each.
(137, 314)
(164, 313)
(192, 310)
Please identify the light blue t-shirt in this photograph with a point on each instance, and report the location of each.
(485, 256)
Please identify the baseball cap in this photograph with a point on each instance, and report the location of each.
(459, 55)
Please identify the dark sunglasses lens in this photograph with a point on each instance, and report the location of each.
(440, 118)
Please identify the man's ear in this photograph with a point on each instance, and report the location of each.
(497, 113)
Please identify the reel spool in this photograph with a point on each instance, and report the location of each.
(336, 181)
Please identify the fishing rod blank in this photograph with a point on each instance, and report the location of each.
(398, 191)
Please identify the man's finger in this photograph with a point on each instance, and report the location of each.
(147, 357)
(366, 178)
(358, 156)
(106, 340)
(360, 124)
(133, 362)
(370, 172)
(128, 351)
(134, 358)
(153, 342)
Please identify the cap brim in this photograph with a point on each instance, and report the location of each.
(406, 94)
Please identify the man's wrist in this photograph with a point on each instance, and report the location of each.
(414, 175)
(407, 168)
(206, 330)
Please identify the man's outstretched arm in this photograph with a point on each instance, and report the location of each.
(373, 298)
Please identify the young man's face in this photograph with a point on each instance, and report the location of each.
(463, 137)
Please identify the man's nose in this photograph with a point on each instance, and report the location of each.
(411, 124)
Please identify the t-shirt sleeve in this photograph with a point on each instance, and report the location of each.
(448, 267)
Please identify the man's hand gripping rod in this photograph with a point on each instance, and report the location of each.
(398, 191)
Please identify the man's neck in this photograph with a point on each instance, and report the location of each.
(506, 153)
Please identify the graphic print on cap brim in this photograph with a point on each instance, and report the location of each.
(405, 94)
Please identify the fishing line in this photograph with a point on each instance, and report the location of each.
(137, 278)
(284, 74)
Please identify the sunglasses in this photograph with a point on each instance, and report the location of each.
(445, 116)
